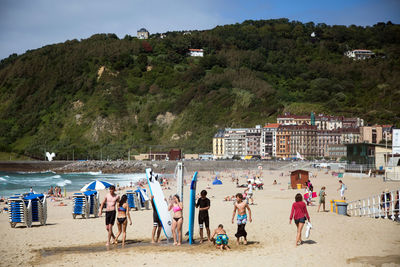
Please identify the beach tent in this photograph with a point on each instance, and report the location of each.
(216, 181)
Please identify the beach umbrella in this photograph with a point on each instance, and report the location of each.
(96, 185)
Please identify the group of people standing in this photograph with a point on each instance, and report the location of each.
(118, 208)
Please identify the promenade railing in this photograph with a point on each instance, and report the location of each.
(385, 205)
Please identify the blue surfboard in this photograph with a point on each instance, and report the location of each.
(191, 207)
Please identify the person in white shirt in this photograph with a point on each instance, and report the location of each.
(249, 192)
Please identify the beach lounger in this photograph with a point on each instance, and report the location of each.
(85, 204)
(27, 208)
(133, 200)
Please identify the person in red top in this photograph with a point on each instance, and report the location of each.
(300, 214)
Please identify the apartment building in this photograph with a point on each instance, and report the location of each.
(235, 142)
(253, 141)
(268, 140)
(350, 135)
(283, 141)
(371, 134)
(326, 138)
(219, 145)
(303, 140)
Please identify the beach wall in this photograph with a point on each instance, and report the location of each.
(166, 166)
(31, 166)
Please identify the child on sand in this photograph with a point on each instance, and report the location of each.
(322, 195)
(300, 214)
(342, 188)
(241, 207)
(221, 240)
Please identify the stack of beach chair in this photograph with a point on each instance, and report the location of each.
(143, 199)
(133, 200)
(27, 208)
(85, 204)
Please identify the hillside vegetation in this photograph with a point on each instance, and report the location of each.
(103, 96)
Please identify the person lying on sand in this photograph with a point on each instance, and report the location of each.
(221, 241)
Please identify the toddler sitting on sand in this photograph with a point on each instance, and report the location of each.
(221, 241)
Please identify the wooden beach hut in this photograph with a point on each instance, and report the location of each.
(298, 177)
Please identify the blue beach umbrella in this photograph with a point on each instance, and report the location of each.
(96, 185)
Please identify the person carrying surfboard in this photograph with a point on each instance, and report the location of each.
(177, 206)
(156, 224)
(203, 203)
(241, 206)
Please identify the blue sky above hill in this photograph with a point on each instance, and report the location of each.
(27, 24)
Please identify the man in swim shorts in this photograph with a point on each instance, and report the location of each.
(111, 199)
(156, 224)
(203, 203)
(240, 207)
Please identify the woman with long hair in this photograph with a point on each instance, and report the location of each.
(123, 214)
(300, 214)
(176, 205)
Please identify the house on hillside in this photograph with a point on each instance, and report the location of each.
(359, 54)
(143, 34)
(196, 52)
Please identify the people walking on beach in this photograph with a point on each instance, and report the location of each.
(322, 196)
(240, 206)
(342, 188)
(177, 206)
(249, 192)
(111, 199)
(122, 223)
(156, 224)
(203, 203)
(221, 240)
(300, 214)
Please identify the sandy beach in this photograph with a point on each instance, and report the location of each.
(335, 240)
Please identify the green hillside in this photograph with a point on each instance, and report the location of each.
(105, 96)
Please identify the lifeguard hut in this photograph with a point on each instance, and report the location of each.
(298, 177)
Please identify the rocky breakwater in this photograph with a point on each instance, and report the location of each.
(115, 166)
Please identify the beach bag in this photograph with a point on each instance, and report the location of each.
(308, 229)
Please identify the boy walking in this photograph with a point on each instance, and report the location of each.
(203, 203)
(111, 199)
(240, 207)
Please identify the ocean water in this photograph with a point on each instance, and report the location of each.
(20, 182)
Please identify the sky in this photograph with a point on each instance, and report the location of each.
(31, 24)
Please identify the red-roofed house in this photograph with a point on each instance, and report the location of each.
(196, 52)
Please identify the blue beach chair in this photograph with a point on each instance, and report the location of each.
(133, 200)
(85, 204)
(27, 208)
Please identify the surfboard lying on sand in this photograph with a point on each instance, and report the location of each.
(159, 202)
(192, 203)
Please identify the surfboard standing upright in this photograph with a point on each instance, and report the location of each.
(160, 203)
(191, 206)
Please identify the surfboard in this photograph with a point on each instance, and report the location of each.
(191, 207)
(159, 203)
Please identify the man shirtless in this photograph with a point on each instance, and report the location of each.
(111, 199)
(241, 207)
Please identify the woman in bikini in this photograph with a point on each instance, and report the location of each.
(123, 213)
(177, 206)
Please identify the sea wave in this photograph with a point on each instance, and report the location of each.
(56, 176)
(64, 183)
(3, 180)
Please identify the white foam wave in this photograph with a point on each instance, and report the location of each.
(56, 176)
(64, 183)
(2, 179)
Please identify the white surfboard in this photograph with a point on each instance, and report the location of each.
(159, 202)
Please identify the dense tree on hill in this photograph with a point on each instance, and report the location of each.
(112, 95)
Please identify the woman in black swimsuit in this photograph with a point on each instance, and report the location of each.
(123, 213)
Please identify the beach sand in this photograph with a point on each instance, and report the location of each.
(335, 240)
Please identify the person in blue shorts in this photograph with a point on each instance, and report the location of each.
(240, 207)
(221, 240)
